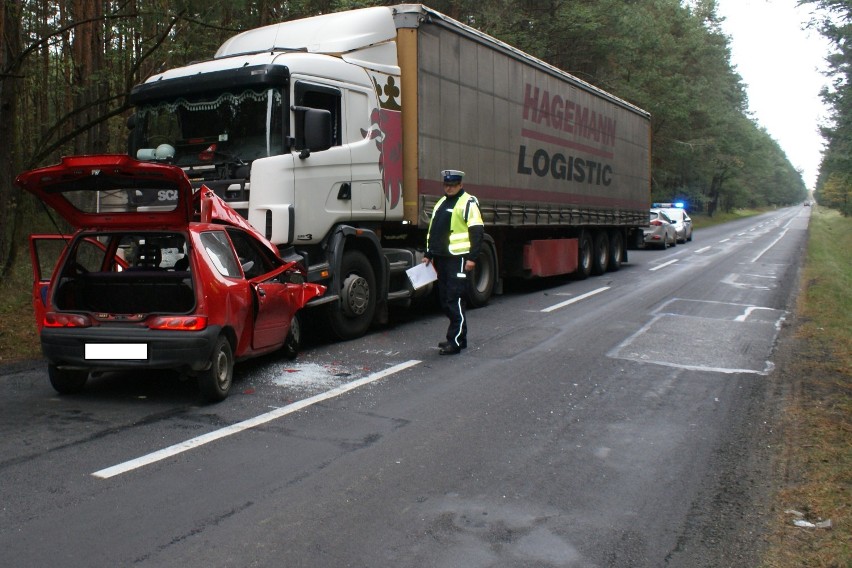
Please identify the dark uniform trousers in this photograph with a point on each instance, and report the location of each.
(452, 290)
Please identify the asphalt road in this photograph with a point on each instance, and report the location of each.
(592, 423)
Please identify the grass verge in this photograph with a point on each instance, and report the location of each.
(815, 460)
(18, 337)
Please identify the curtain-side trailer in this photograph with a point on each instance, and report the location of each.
(329, 135)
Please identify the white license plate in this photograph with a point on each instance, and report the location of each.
(117, 351)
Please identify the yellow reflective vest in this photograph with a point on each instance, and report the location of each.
(465, 214)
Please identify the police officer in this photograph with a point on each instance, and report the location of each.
(452, 245)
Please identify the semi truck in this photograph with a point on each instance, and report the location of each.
(329, 135)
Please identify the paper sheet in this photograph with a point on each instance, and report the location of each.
(421, 275)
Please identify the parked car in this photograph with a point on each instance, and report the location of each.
(682, 223)
(155, 277)
(661, 231)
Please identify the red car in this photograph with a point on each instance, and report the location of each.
(156, 276)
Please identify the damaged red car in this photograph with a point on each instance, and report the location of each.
(155, 276)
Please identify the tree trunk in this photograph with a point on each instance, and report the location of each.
(10, 79)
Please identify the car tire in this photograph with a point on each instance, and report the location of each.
(215, 382)
(67, 381)
(293, 343)
(352, 316)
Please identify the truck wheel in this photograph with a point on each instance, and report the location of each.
(600, 257)
(357, 307)
(66, 381)
(215, 382)
(293, 343)
(616, 250)
(481, 284)
(584, 256)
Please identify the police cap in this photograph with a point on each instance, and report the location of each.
(452, 177)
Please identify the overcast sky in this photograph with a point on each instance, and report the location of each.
(781, 65)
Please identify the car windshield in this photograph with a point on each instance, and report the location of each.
(233, 127)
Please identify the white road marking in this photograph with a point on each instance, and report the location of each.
(577, 299)
(663, 265)
(247, 424)
(702, 249)
(781, 236)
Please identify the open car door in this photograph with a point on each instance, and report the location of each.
(45, 252)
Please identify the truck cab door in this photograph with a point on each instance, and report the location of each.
(323, 179)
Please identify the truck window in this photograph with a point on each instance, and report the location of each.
(235, 127)
(324, 98)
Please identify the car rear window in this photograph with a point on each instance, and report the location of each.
(120, 194)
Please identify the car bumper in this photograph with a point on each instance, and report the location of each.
(129, 348)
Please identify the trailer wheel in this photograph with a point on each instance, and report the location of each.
(600, 257)
(481, 284)
(215, 382)
(67, 381)
(357, 306)
(616, 250)
(584, 254)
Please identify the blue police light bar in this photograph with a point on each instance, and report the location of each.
(678, 205)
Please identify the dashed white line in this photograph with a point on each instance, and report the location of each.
(702, 249)
(577, 299)
(247, 424)
(663, 265)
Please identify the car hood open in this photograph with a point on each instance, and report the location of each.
(110, 191)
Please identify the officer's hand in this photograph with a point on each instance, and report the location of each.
(469, 265)
(426, 260)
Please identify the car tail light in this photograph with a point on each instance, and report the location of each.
(178, 323)
(55, 319)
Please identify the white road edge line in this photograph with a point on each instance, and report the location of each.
(247, 424)
(577, 299)
(663, 265)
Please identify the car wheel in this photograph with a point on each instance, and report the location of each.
(352, 316)
(293, 343)
(215, 382)
(67, 381)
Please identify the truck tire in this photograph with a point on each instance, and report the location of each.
(616, 250)
(600, 256)
(584, 256)
(482, 280)
(67, 381)
(215, 382)
(351, 317)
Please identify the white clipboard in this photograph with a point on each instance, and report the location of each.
(421, 275)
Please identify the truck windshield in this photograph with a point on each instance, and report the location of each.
(233, 127)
